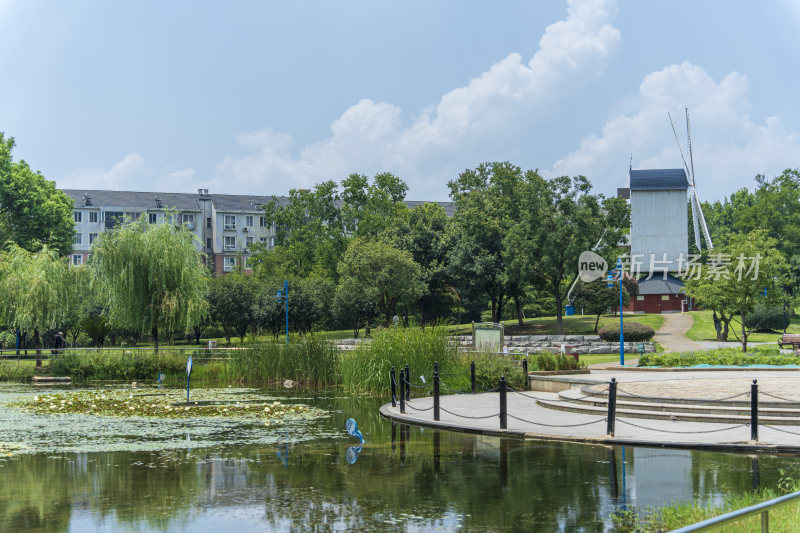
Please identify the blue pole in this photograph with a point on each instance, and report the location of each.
(286, 296)
(621, 331)
(187, 387)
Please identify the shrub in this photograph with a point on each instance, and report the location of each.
(554, 361)
(490, 366)
(634, 332)
(367, 367)
(720, 356)
(767, 319)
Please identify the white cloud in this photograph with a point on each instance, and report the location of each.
(119, 177)
(729, 146)
(182, 174)
(370, 136)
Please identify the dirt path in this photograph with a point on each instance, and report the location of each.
(672, 334)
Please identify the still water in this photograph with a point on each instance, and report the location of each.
(78, 473)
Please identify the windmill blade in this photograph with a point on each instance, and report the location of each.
(689, 140)
(695, 222)
(703, 224)
(680, 148)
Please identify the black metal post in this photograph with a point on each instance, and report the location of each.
(525, 371)
(612, 406)
(408, 384)
(472, 375)
(754, 410)
(503, 403)
(436, 391)
(402, 392)
(394, 389)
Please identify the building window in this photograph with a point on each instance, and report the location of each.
(640, 298)
(130, 216)
(664, 297)
(208, 243)
(230, 243)
(112, 218)
(262, 221)
(187, 218)
(92, 216)
(92, 238)
(248, 221)
(230, 222)
(77, 239)
(208, 223)
(228, 264)
(76, 216)
(245, 262)
(272, 242)
(249, 241)
(77, 259)
(263, 240)
(152, 218)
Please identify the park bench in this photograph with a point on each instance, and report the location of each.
(792, 339)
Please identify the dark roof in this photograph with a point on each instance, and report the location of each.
(659, 179)
(658, 285)
(134, 199)
(190, 201)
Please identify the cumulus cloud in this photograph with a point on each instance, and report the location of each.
(371, 137)
(729, 146)
(119, 177)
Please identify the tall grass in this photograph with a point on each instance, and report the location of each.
(366, 369)
(310, 359)
(82, 367)
(14, 371)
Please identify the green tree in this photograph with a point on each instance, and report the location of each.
(33, 213)
(354, 305)
(389, 275)
(424, 236)
(597, 297)
(80, 296)
(153, 276)
(749, 271)
(230, 300)
(488, 206)
(560, 220)
(33, 288)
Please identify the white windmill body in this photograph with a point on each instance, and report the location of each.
(698, 219)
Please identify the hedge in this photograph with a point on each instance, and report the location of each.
(634, 332)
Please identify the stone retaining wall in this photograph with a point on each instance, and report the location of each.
(581, 344)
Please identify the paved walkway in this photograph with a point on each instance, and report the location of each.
(672, 334)
(478, 413)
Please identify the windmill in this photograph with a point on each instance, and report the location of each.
(698, 220)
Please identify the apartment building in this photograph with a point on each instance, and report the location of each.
(225, 225)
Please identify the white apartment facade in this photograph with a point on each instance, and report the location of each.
(225, 226)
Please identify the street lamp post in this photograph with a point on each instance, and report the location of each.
(618, 270)
(283, 296)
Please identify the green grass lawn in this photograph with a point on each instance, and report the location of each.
(703, 329)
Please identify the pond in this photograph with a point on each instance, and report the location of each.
(71, 472)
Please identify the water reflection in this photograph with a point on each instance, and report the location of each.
(407, 480)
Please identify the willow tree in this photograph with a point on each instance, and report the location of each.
(32, 285)
(153, 276)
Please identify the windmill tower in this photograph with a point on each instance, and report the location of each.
(698, 220)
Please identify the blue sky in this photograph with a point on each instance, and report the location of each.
(261, 97)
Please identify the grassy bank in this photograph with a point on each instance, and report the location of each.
(783, 519)
(703, 329)
(310, 360)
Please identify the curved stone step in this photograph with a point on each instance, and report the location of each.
(728, 408)
(676, 416)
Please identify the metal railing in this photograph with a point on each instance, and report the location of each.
(762, 508)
